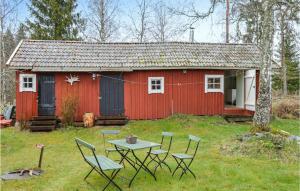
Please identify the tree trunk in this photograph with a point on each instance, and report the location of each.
(283, 64)
(102, 21)
(227, 21)
(263, 106)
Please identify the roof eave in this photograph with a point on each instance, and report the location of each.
(123, 69)
(14, 52)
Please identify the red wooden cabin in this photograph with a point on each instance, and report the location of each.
(136, 80)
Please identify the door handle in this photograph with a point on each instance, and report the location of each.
(100, 97)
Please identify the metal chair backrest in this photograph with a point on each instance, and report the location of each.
(196, 140)
(165, 135)
(108, 132)
(82, 145)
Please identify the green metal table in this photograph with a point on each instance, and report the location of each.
(125, 148)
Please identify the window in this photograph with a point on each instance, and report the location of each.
(155, 85)
(27, 83)
(214, 83)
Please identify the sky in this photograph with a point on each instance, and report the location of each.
(211, 29)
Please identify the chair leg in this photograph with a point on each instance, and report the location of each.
(89, 173)
(163, 162)
(178, 166)
(114, 173)
(151, 160)
(187, 167)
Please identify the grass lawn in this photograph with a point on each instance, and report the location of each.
(65, 169)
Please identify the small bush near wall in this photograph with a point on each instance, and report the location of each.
(68, 110)
(288, 108)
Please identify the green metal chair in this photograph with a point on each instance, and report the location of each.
(155, 154)
(106, 133)
(184, 160)
(99, 163)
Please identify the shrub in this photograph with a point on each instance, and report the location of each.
(68, 110)
(22, 123)
(287, 108)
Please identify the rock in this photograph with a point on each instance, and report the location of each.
(294, 138)
(259, 135)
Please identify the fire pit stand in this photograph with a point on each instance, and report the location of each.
(26, 172)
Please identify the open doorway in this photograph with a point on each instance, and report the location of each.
(234, 89)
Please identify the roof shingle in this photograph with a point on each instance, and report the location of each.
(46, 55)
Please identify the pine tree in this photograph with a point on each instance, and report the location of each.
(8, 76)
(54, 20)
(292, 63)
(21, 33)
(9, 44)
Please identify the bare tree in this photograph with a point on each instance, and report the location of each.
(102, 19)
(191, 12)
(163, 25)
(140, 21)
(263, 106)
(7, 10)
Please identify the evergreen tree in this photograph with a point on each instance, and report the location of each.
(292, 63)
(54, 20)
(21, 33)
(9, 44)
(8, 76)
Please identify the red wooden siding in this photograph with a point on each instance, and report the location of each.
(26, 102)
(86, 90)
(184, 93)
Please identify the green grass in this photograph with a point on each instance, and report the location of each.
(65, 169)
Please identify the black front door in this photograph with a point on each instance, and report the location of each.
(46, 93)
(112, 95)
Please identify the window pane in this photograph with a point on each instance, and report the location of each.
(158, 87)
(24, 85)
(30, 85)
(217, 80)
(217, 86)
(24, 79)
(153, 87)
(152, 82)
(29, 79)
(158, 82)
(210, 86)
(210, 80)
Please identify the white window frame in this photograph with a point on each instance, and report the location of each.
(162, 85)
(221, 89)
(23, 89)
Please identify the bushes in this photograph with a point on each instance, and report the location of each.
(287, 108)
(68, 110)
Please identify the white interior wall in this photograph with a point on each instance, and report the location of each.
(240, 89)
